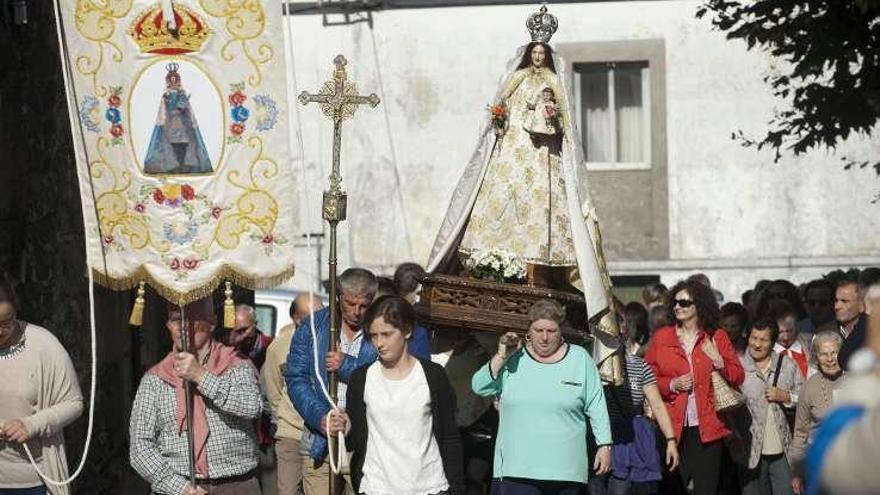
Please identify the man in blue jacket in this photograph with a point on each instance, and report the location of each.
(356, 288)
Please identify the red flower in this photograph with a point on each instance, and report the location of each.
(190, 263)
(237, 98)
(114, 100)
(268, 239)
(175, 264)
(237, 128)
(216, 211)
(158, 196)
(187, 192)
(116, 130)
(139, 207)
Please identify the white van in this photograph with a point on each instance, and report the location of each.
(273, 308)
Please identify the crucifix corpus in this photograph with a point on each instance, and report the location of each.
(339, 101)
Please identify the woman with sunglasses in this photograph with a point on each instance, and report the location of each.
(683, 357)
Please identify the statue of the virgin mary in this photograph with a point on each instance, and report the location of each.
(524, 189)
(176, 145)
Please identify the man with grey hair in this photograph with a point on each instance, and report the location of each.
(356, 288)
(870, 304)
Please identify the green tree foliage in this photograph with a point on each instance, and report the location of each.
(831, 70)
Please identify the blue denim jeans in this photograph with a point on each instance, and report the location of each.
(609, 485)
(37, 490)
(521, 486)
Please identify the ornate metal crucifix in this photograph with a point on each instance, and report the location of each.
(339, 101)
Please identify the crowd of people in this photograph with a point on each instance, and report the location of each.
(754, 397)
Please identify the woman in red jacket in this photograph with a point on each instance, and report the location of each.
(683, 358)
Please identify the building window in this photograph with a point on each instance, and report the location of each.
(613, 105)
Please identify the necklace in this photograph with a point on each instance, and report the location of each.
(15, 349)
(826, 383)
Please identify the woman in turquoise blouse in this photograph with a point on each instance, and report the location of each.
(547, 390)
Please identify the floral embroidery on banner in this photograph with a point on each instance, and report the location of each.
(89, 114)
(238, 112)
(113, 115)
(269, 241)
(182, 223)
(182, 266)
(266, 111)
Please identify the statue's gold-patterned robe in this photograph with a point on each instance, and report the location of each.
(521, 205)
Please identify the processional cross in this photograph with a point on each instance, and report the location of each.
(339, 101)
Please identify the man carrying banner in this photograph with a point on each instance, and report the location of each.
(227, 402)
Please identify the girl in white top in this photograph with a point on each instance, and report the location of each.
(399, 421)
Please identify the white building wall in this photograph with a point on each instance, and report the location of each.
(733, 214)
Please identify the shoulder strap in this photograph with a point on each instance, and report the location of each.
(778, 369)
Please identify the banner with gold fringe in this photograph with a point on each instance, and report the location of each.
(180, 124)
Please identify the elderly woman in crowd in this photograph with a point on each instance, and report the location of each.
(400, 414)
(549, 391)
(772, 382)
(683, 358)
(815, 399)
(39, 396)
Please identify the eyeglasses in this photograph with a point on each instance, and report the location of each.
(683, 303)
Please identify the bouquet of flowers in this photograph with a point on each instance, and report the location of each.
(495, 264)
(498, 116)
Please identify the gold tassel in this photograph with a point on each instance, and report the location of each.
(137, 311)
(228, 308)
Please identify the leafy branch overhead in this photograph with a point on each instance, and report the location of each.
(831, 69)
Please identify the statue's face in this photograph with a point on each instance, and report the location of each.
(538, 55)
(174, 82)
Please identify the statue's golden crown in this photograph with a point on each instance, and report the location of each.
(150, 31)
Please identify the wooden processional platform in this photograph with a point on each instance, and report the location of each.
(459, 304)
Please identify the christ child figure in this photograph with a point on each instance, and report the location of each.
(544, 118)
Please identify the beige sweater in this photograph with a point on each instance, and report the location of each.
(288, 421)
(814, 400)
(40, 387)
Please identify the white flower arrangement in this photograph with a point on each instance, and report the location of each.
(496, 264)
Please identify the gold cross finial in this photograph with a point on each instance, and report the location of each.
(338, 97)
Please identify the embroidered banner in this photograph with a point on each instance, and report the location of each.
(182, 142)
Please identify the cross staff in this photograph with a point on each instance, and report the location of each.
(339, 101)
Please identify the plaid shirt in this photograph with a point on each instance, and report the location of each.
(159, 452)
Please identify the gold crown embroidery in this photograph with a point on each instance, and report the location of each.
(150, 31)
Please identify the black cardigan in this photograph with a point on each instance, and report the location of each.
(444, 426)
